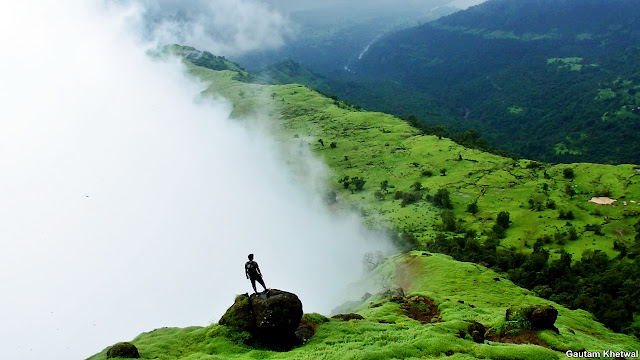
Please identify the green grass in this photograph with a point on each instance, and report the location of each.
(387, 333)
(380, 147)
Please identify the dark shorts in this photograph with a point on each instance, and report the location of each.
(257, 278)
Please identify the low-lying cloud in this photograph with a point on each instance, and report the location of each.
(127, 205)
(220, 26)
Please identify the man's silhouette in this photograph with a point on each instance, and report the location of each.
(252, 270)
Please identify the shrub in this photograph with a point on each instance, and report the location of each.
(384, 186)
(472, 208)
(566, 215)
(441, 199)
(331, 197)
(498, 231)
(568, 173)
(315, 318)
(410, 198)
(448, 221)
(596, 228)
(503, 220)
(551, 204)
(416, 186)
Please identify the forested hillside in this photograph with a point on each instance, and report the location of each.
(551, 80)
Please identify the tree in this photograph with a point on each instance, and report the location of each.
(448, 220)
(357, 184)
(345, 181)
(503, 219)
(568, 173)
(573, 234)
(416, 186)
(384, 186)
(371, 260)
(562, 215)
(331, 197)
(498, 231)
(441, 199)
(472, 208)
(569, 190)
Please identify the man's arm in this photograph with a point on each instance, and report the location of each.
(246, 271)
(258, 269)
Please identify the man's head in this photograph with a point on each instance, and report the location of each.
(250, 256)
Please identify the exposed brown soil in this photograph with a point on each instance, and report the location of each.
(347, 317)
(523, 336)
(422, 309)
(407, 272)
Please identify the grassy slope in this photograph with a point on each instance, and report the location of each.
(381, 147)
(438, 276)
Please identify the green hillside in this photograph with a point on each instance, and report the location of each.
(545, 79)
(418, 188)
(430, 183)
(462, 292)
(380, 147)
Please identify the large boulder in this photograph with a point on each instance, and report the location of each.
(477, 331)
(347, 317)
(544, 317)
(304, 332)
(270, 318)
(539, 317)
(123, 350)
(240, 315)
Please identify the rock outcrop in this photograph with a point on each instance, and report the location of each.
(123, 350)
(477, 331)
(538, 317)
(304, 332)
(271, 319)
(347, 317)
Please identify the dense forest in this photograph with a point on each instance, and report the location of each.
(536, 81)
(528, 77)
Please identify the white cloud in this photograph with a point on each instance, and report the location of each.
(222, 27)
(126, 206)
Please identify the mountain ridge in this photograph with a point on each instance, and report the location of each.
(547, 90)
(376, 147)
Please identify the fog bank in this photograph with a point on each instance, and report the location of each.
(127, 205)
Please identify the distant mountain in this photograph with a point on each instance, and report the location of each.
(329, 38)
(556, 80)
(290, 72)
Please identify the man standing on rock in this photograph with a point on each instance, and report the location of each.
(252, 270)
